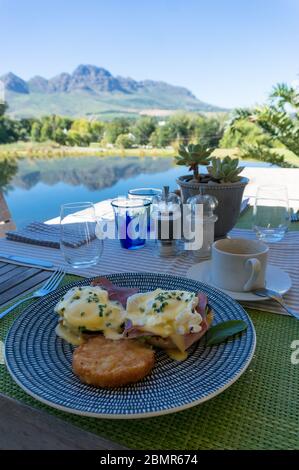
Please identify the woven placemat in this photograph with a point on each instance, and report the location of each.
(259, 411)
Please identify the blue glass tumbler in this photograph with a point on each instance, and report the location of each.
(131, 221)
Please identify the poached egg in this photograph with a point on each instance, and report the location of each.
(89, 308)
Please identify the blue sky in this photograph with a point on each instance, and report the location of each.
(228, 52)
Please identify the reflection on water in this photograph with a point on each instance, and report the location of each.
(8, 168)
(93, 173)
(35, 188)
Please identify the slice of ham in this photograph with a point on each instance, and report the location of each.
(202, 304)
(120, 294)
(191, 338)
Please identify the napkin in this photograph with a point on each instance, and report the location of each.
(39, 233)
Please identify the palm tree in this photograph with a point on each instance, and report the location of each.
(279, 118)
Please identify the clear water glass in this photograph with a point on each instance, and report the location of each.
(131, 219)
(78, 235)
(144, 193)
(271, 213)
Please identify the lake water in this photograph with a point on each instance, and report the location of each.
(36, 188)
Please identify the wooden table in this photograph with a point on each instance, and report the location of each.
(24, 427)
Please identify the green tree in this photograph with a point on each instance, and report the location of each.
(115, 128)
(8, 127)
(80, 133)
(46, 132)
(161, 137)
(124, 141)
(64, 123)
(263, 153)
(143, 129)
(244, 133)
(74, 138)
(181, 127)
(9, 131)
(23, 128)
(82, 126)
(208, 132)
(59, 136)
(97, 129)
(278, 119)
(52, 127)
(35, 131)
(3, 108)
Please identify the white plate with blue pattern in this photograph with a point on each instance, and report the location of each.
(40, 362)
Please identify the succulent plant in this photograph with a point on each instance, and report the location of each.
(194, 155)
(225, 170)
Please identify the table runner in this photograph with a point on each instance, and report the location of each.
(259, 411)
(284, 254)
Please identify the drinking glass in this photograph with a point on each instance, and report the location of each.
(78, 241)
(145, 193)
(271, 213)
(131, 217)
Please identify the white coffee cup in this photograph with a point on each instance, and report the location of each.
(239, 264)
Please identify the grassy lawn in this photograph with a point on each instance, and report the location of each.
(52, 149)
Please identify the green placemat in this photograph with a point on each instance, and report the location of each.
(260, 411)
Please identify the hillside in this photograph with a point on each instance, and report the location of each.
(92, 90)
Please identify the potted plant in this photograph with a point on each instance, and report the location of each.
(221, 181)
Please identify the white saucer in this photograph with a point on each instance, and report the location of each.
(276, 279)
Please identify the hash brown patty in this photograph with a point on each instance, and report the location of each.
(106, 363)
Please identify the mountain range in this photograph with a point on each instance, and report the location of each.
(92, 90)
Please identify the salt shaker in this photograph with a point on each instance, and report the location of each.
(166, 213)
(206, 222)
